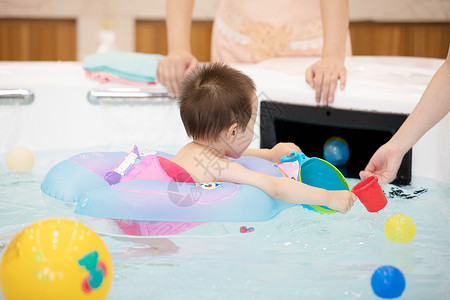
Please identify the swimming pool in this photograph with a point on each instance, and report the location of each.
(297, 255)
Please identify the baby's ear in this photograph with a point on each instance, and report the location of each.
(231, 132)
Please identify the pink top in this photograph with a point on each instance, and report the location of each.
(177, 173)
(250, 31)
(156, 168)
(153, 167)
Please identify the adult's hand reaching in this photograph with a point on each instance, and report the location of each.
(173, 68)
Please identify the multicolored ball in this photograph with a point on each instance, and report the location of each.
(56, 259)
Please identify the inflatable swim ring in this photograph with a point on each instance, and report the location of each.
(156, 207)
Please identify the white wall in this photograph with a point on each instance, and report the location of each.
(61, 117)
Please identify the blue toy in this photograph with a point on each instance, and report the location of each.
(319, 173)
(336, 151)
(388, 282)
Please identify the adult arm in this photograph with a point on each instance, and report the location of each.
(323, 76)
(432, 107)
(179, 61)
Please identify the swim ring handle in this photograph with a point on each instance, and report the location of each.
(293, 156)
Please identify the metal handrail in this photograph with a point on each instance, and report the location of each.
(16, 96)
(127, 96)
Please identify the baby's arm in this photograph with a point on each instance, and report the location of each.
(274, 154)
(288, 190)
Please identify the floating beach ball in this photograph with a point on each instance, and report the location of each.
(388, 282)
(19, 159)
(335, 151)
(400, 228)
(56, 259)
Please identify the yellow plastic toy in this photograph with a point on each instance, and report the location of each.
(56, 259)
(400, 228)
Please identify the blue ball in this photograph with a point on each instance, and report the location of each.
(336, 151)
(388, 282)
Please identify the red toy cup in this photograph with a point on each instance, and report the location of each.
(370, 194)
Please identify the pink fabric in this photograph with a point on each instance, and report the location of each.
(166, 228)
(156, 168)
(177, 173)
(148, 168)
(104, 77)
(290, 169)
(152, 228)
(129, 227)
(253, 30)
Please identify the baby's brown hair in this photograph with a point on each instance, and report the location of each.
(213, 97)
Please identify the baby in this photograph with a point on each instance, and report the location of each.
(218, 106)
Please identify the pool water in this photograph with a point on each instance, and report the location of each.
(297, 255)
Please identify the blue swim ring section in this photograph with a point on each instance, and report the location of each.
(80, 179)
(171, 201)
(72, 178)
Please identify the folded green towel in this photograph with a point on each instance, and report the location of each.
(128, 65)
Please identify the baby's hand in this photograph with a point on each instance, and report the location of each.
(342, 201)
(282, 149)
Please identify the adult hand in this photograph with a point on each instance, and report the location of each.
(323, 76)
(173, 68)
(384, 163)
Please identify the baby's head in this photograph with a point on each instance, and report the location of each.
(213, 98)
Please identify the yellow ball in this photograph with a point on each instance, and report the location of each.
(400, 228)
(56, 259)
(19, 159)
